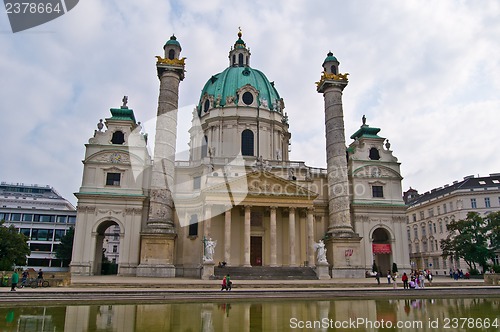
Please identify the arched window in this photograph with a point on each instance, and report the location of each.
(204, 147)
(171, 54)
(234, 59)
(240, 59)
(247, 142)
(118, 137)
(206, 106)
(334, 70)
(374, 155)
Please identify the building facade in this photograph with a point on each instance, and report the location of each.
(41, 214)
(238, 198)
(429, 214)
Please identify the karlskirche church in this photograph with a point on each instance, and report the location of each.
(238, 203)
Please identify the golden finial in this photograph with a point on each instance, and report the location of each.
(239, 32)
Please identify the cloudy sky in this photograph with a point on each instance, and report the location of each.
(426, 72)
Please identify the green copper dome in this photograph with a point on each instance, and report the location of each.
(227, 83)
(330, 57)
(173, 41)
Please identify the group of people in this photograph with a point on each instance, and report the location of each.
(226, 283)
(416, 279)
(459, 274)
(24, 278)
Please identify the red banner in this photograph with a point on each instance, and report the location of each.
(381, 248)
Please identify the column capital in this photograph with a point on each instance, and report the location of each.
(273, 208)
(310, 209)
(292, 209)
(248, 207)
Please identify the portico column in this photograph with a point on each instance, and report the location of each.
(291, 229)
(310, 236)
(227, 236)
(207, 223)
(272, 230)
(246, 239)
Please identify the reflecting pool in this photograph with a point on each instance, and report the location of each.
(341, 315)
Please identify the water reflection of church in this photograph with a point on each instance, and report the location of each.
(238, 186)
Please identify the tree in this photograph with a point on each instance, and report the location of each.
(394, 268)
(13, 247)
(65, 249)
(493, 220)
(469, 239)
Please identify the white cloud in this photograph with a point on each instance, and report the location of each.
(426, 72)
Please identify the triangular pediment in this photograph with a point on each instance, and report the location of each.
(262, 184)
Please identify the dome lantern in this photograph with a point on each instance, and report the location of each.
(239, 55)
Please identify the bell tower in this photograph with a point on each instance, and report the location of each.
(159, 234)
(343, 243)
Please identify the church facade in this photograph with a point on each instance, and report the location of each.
(238, 199)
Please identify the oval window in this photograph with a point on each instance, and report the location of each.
(248, 98)
(206, 106)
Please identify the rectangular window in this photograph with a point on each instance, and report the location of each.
(435, 261)
(38, 262)
(197, 182)
(444, 263)
(451, 206)
(487, 202)
(193, 226)
(423, 231)
(417, 248)
(409, 234)
(378, 191)
(444, 208)
(434, 227)
(432, 246)
(61, 219)
(431, 212)
(27, 217)
(44, 218)
(15, 217)
(430, 229)
(115, 248)
(439, 210)
(5, 216)
(40, 247)
(440, 227)
(42, 234)
(425, 248)
(113, 179)
(58, 234)
(415, 232)
(422, 215)
(473, 203)
(71, 219)
(414, 217)
(25, 232)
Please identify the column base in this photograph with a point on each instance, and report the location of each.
(207, 270)
(322, 271)
(344, 255)
(157, 255)
(164, 271)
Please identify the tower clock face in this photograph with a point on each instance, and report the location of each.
(115, 158)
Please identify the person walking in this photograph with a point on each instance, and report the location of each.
(389, 277)
(377, 277)
(229, 284)
(40, 278)
(404, 279)
(14, 281)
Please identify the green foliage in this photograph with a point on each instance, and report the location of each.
(65, 249)
(496, 268)
(474, 272)
(493, 221)
(13, 248)
(470, 240)
(394, 268)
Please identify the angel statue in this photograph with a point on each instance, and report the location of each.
(209, 250)
(321, 252)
